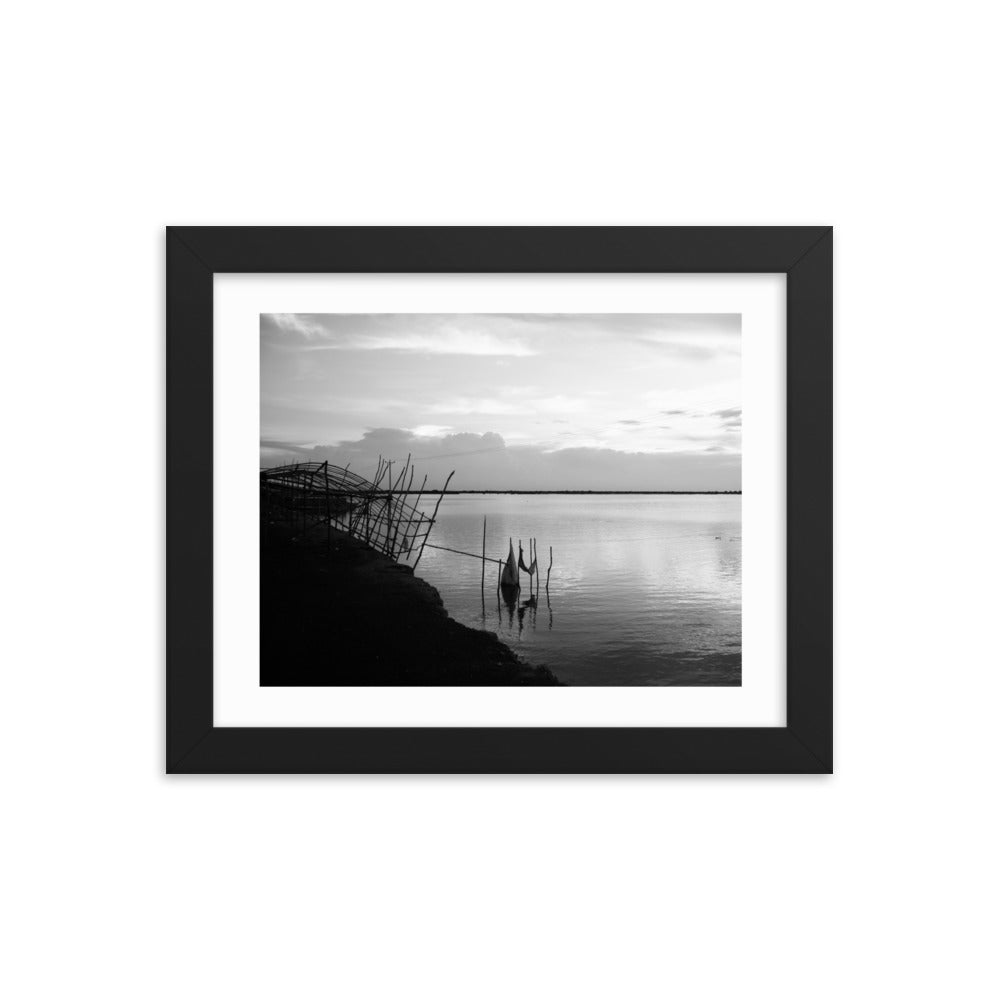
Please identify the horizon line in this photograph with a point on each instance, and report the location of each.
(580, 492)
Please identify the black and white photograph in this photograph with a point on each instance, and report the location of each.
(490, 500)
(500, 501)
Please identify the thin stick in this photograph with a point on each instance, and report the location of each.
(416, 519)
(385, 469)
(482, 582)
(403, 549)
(458, 552)
(434, 517)
(326, 492)
(395, 528)
(549, 571)
(388, 509)
(368, 502)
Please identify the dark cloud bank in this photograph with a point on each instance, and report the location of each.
(486, 462)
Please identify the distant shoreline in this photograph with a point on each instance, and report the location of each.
(599, 493)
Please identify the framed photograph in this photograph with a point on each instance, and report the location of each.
(536, 500)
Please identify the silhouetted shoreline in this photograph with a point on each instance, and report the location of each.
(583, 493)
(348, 616)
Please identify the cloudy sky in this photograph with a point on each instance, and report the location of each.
(554, 401)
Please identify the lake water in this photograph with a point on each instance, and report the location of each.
(643, 589)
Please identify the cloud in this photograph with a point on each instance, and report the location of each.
(732, 418)
(296, 324)
(430, 430)
(286, 445)
(487, 461)
(469, 342)
(445, 342)
(339, 377)
(687, 336)
(680, 337)
(669, 345)
(516, 404)
(417, 333)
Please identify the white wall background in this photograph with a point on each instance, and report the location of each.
(879, 118)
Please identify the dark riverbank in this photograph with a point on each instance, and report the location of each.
(351, 617)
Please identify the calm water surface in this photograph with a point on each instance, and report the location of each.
(643, 590)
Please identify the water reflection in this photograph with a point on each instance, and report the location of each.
(648, 587)
(530, 605)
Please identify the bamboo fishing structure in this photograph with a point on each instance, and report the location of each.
(533, 548)
(378, 511)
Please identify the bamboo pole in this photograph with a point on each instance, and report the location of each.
(349, 520)
(404, 548)
(434, 517)
(379, 473)
(458, 552)
(395, 487)
(388, 507)
(367, 503)
(482, 582)
(549, 571)
(326, 493)
(416, 507)
(405, 511)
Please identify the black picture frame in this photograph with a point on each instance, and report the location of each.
(803, 253)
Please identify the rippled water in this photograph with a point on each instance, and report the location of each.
(643, 590)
